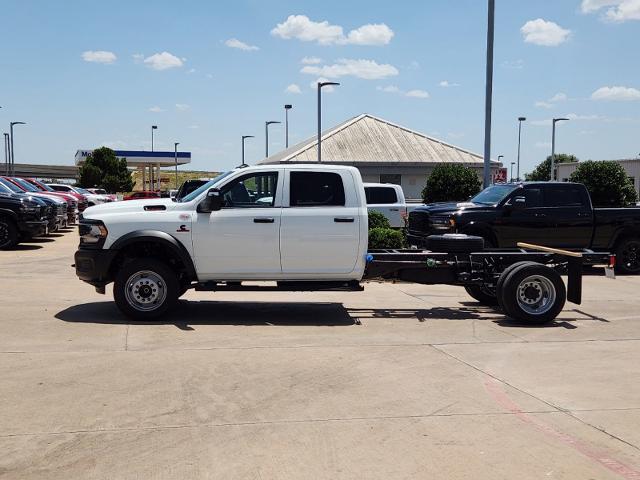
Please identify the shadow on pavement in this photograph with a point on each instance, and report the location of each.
(220, 313)
(22, 246)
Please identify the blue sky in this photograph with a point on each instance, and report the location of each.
(85, 73)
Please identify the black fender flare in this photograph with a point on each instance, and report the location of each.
(9, 213)
(164, 239)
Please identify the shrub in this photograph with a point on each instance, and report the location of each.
(378, 220)
(385, 238)
(607, 183)
(542, 172)
(451, 182)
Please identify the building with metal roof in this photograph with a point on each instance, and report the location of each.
(383, 152)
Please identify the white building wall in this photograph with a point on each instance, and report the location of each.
(631, 166)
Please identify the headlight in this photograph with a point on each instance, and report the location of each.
(30, 208)
(91, 233)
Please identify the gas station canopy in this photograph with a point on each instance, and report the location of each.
(138, 158)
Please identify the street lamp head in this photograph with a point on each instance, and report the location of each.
(17, 123)
(500, 156)
(522, 119)
(247, 136)
(326, 84)
(154, 127)
(175, 144)
(271, 122)
(288, 107)
(513, 163)
(560, 120)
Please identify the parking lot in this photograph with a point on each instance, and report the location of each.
(399, 381)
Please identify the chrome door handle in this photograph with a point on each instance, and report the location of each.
(344, 219)
(539, 214)
(263, 220)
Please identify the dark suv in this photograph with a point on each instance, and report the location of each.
(21, 217)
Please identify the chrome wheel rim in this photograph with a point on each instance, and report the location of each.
(631, 256)
(536, 295)
(145, 291)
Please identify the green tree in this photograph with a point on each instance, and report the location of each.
(607, 183)
(451, 182)
(102, 169)
(542, 173)
(378, 220)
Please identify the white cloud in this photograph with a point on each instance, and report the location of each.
(388, 89)
(550, 103)
(542, 104)
(618, 11)
(303, 28)
(235, 43)
(545, 33)
(371, 34)
(311, 60)
(293, 88)
(574, 116)
(367, 69)
(192, 70)
(447, 84)
(182, 107)
(571, 116)
(163, 61)
(558, 97)
(99, 56)
(156, 109)
(417, 94)
(327, 89)
(616, 93)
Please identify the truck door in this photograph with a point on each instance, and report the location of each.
(242, 240)
(320, 230)
(568, 209)
(385, 201)
(526, 224)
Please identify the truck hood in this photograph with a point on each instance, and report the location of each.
(447, 207)
(129, 206)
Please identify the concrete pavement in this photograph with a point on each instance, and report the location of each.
(398, 381)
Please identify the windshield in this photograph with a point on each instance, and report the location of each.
(27, 186)
(82, 191)
(204, 187)
(11, 186)
(494, 194)
(45, 187)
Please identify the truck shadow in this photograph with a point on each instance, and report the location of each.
(219, 313)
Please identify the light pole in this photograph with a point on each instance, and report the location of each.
(520, 120)
(512, 164)
(266, 136)
(320, 85)
(6, 154)
(175, 158)
(153, 127)
(286, 124)
(488, 93)
(243, 138)
(13, 155)
(553, 146)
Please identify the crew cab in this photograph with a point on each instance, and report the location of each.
(286, 223)
(388, 199)
(554, 214)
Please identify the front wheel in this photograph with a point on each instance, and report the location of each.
(628, 256)
(145, 288)
(8, 234)
(483, 294)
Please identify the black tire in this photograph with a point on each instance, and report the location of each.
(8, 234)
(485, 295)
(503, 276)
(628, 256)
(533, 294)
(454, 243)
(145, 288)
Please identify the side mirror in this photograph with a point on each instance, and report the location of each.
(519, 203)
(212, 202)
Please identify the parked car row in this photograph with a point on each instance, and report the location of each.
(31, 208)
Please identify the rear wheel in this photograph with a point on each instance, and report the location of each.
(483, 294)
(628, 256)
(145, 288)
(8, 233)
(533, 294)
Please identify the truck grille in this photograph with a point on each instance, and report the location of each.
(61, 209)
(419, 222)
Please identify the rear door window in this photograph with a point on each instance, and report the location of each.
(380, 195)
(564, 196)
(316, 189)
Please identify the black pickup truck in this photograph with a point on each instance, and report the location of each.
(546, 213)
(21, 217)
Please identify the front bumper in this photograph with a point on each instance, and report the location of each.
(33, 228)
(93, 265)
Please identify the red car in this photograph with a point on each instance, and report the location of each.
(142, 195)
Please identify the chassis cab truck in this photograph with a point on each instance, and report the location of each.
(288, 223)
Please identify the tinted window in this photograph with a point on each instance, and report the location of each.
(316, 189)
(533, 197)
(563, 196)
(252, 190)
(493, 195)
(380, 195)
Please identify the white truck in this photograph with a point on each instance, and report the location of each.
(303, 227)
(388, 199)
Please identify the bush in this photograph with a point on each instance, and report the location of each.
(607, 183)
(378, 220)
(451, 182)
(385, 238)
(542, 172)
